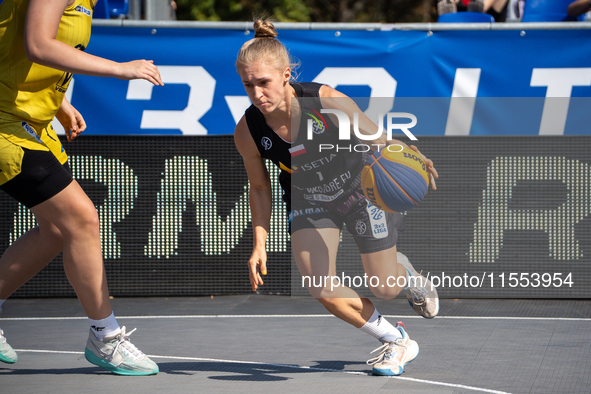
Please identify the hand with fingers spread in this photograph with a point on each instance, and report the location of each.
(71, 120)
(430, 169)
(257, 266)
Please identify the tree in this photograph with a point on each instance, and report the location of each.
(386, 11)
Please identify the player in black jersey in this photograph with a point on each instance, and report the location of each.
(322, 192)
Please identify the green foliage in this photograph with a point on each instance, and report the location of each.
(387, 11)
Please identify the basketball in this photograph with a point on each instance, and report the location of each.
(395, 179)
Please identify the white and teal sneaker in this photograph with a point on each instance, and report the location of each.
(7, 353)
(421, 294)
(393, 356)
(118, 355)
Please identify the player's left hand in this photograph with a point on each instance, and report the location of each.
(71, 120)
(430, 169)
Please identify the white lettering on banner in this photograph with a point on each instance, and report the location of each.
(188, 178)
(119, 202)
(237, 105)
(494, 215)
(463, 100)
(560, 82)
(202, 88)
(382, 85)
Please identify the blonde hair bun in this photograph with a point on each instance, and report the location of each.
(265, 47)
(264, 29)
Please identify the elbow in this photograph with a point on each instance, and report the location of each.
(34, 51)
(32, 54)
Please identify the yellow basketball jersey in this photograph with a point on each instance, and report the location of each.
(31, 92)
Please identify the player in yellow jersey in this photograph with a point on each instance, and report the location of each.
(42, 44)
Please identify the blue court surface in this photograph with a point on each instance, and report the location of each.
(278, 344)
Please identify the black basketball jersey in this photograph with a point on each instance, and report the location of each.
(311, 170)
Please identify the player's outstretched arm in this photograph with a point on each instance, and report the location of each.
(41, 26)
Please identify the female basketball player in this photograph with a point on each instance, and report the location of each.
(42, 44)
(275, 128)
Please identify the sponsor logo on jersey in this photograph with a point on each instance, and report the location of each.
(360, 227)
(323, 197)
(291, 170)
(307, 211)
(377, 221)
(318, 122)
(266, 143)
(83, 10)
(62, 85)
(318, 163)
(31, 131)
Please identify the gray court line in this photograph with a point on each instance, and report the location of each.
(432, 382)
(298, 316)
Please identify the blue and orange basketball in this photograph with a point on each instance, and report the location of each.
(395, 180)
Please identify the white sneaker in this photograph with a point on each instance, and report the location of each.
(7, 353)
(393, 356)
(421, 294)
(118, 355)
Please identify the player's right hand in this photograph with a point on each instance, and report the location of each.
(257, 265)
(140, 69)
(430, 169)
(70, 119)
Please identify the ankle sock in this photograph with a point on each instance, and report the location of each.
(104, 327)
(378, 327)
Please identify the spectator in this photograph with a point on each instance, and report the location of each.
(496, 8)
(578, 7)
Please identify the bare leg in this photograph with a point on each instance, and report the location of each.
(72, 214)
(383, 265)
(26, 256)
(315, 253)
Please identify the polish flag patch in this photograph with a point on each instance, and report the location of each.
(297, 150)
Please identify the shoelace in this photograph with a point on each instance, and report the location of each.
(2, 337)
(417, 295)
(125, 344)
(385, 353)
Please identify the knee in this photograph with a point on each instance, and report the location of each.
(84, 220)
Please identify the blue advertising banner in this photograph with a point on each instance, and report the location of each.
(479, 82)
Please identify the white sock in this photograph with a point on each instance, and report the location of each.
(105, 327)
(379, 328)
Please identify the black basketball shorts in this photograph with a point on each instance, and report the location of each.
(41, 177)
(373, 229)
